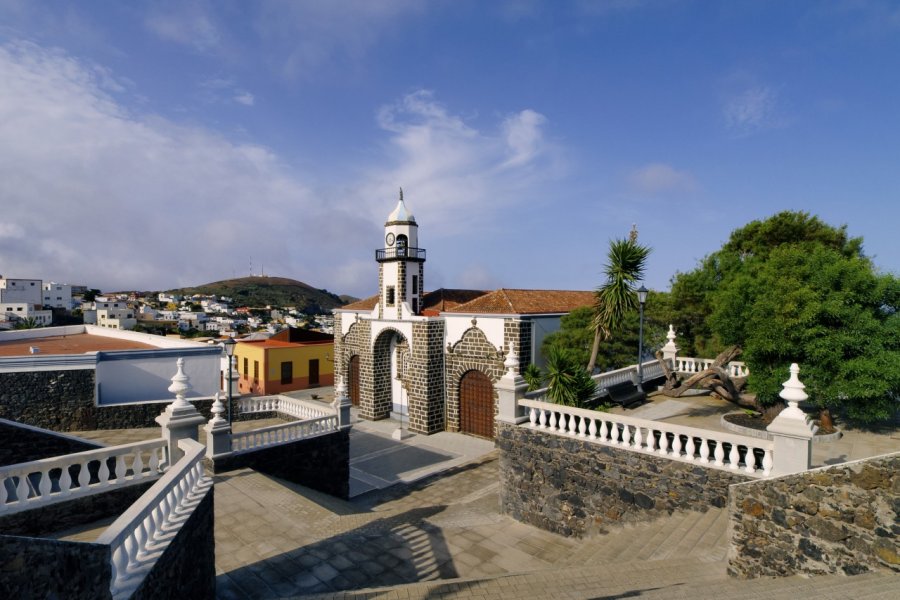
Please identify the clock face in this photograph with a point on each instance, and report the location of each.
(389, 239)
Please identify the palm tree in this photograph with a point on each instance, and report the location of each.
(614, 299)
(27, 323)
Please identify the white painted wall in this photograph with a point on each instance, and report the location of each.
(28, 291)
(456, 326)
(144, 376)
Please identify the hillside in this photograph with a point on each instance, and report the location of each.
(263, 291)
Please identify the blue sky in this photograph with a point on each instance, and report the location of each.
(151, 145)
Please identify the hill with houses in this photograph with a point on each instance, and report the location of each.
(261, 291)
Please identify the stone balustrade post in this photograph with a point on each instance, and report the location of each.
(342, 403)
(218, 432)
(792, 431)
(180, 419)
(670, 350)
(510, 389)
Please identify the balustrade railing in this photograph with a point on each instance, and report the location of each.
(46, 481)
(140, 533)
(688, 444)
(247, 441)
(295, 407)
(651, 369)
(689, 366)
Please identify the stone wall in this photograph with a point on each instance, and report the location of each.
(425, 377)
(839, 519)
(24, 444)
(64, 401)
(472, 352)
(187, 569)
(321, 463)
(356, 343)
(42, 568)
(576, 488)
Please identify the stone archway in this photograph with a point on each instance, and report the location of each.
(353, 379)
(476, 404)
(387, 357)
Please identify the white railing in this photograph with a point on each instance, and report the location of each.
(247, 441)
(295, 407)
(689, 366)
(676, 442)
(140, 535)
(651, 370)
(49, 480)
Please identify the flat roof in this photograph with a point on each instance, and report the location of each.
(79, 343)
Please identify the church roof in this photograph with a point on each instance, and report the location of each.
(401, 213)
(526, 302)
(364, 304)
(443, 299)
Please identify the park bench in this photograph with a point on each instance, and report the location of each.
(626, 394)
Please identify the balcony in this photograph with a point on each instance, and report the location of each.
(400, 253)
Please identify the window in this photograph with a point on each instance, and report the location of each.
(32, 284)
(415, 289)
(287, 373)
(314, 371)
(255, 369)
(391, 294)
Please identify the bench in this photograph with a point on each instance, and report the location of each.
(626, 394)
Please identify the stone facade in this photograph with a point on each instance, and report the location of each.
(839, 519)
(425, 377)
(577, 488)
(23, 444)
(472, 352)
(64, 401)
(42, 568)
(321, 463)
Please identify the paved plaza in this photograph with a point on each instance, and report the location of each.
(423, 521)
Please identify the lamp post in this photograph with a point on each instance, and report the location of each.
(229, 345)
(642, 298)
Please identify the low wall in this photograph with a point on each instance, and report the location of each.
(321, 463)
(41, 568)
(576, 488)
(64, 401)
(839, 519)
(25, 444)
(187, 569)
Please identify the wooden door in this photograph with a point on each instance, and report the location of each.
(476, 405)
(354, 380)
(314, 371)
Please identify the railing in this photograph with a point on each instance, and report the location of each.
(651, 369)
(689, 366)
(390, 253)
(687, 444)
(50, 480)
(295, 407)
(247, 441)
(141, 533)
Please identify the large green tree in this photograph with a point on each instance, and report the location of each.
(616, 297)
(794, 289)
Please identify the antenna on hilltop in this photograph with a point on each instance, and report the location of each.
(401, 194)
(632, 235)
(251, 266)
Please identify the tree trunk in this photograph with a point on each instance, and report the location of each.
(594, 350)
(715, 378)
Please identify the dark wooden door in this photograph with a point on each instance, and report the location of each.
(314, 371)
(476, 405)
(354, 381)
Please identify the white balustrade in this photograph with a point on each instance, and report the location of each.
(26, 485)
(139, 535)
(283, 432)
(677, 442)
(690, 366)
(295, 407)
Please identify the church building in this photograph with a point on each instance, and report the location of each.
(433, 358)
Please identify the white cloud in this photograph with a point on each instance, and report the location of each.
(245, 98)
(117, 199)
(186, 23)
(660, 178)
(752, 109)
(523, 136)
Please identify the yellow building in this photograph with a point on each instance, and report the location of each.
(293, 359)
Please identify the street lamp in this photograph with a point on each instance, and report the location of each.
(642, 298)
(229, 345)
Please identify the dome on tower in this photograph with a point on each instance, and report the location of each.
(401, 214)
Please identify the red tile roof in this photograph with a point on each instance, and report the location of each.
(364, 304)
(526, 302)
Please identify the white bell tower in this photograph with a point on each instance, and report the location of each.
(401, 265)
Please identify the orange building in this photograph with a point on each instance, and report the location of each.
(293, 359)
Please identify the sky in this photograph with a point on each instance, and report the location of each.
(152, 145)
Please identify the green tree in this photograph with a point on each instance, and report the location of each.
(568, 383)
(794, 289)
(533, 376)
(91, 295)
(625, 263)
(27, 323)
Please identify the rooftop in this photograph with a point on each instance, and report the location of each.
(526, 302)
(69, 344)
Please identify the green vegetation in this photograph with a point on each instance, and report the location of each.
(794, 289)
(533, 376)
(259, 292)
(568, 382)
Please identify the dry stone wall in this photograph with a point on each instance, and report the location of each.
(839, 519)
(578, 488)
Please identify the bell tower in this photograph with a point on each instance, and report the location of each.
(401, 265)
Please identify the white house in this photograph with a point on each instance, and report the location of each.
(57, 295)
(16, 311)
(17, 291)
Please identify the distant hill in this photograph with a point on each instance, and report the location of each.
(261, 291)
(348, 299)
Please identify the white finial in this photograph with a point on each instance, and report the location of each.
(512, 361)
(671, 335)
(217, 409)
(793, 388)
(180, 385)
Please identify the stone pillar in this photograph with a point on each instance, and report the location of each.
(510, 389)
(218, 432)
(180, 419)
(792, 431)
(342, 403)
(670, 350)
